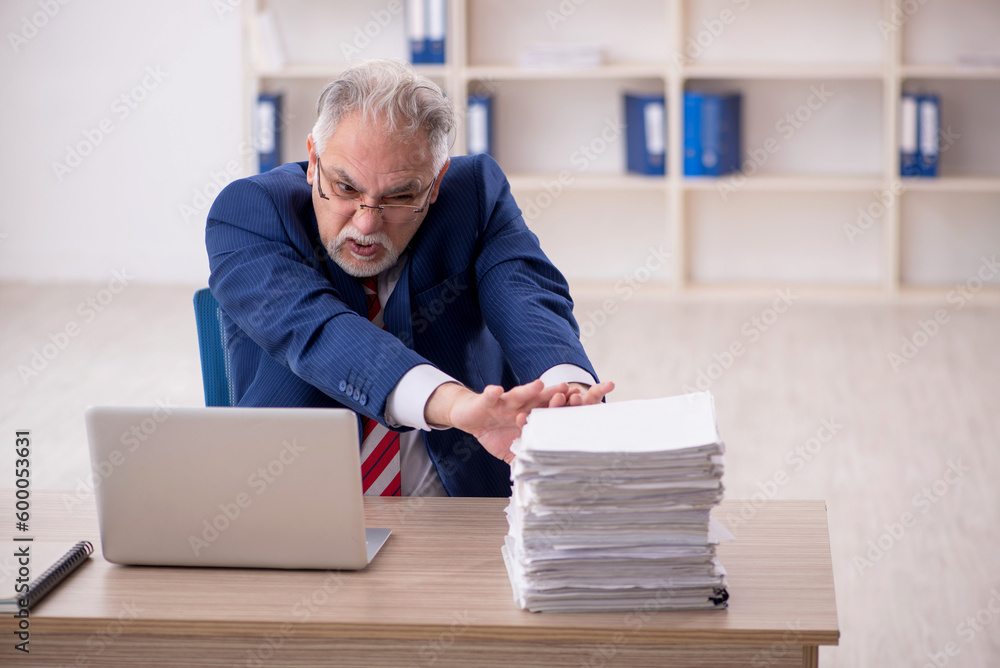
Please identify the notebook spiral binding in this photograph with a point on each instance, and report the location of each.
(58, 571)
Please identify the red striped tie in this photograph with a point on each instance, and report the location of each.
(379, 445)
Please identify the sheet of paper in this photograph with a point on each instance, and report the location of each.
(648, 425)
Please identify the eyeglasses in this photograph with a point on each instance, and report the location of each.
(348, 207)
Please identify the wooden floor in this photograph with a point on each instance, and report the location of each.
(905, 450)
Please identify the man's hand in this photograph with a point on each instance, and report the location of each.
(494, 417)
(582, 395)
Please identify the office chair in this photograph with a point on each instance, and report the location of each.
(216, 374)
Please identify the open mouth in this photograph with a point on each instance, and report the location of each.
(362, 250)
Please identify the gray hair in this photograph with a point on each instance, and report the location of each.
(391, 93)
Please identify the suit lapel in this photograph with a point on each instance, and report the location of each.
(397, 311)
(348, 288)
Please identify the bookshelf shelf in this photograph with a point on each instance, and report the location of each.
(810, 71)
(610, 183)
(516, 73)
(784, 224)
(949, 72)
(332, 69)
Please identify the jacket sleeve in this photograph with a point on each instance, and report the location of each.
(268, 280)
(524, 299)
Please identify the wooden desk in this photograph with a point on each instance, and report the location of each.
(437, 594)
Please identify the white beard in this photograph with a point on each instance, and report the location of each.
(358, 266)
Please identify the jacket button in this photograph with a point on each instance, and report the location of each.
(343, 385)
(357, 394)
(364, 399)
(349, 390)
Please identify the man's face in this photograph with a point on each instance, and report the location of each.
(366, 164)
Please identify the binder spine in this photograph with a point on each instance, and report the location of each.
(711, 135)
(645, 143)
(713, 142)
(58, 572)
(478, 124)
(437, 21)
(929, 124)
(653, 114)
(732, 139)
(908, 136)
(692, 134)
(416, 29)
(268, 131)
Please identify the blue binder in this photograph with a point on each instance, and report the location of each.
(479, 125)
(713, 142)
(711, 135)
(692, 134)
(732, 139)
(908, 142)
(929, 134)
(645, 144)
(416, 31)
(268, 131)
(437, 18)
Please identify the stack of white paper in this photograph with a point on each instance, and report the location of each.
(551, 55)
(610, 508)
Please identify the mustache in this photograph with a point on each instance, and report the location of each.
(347, 234)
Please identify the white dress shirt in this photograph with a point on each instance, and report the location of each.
(405, 405)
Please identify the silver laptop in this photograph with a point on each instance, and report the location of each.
(244, 487)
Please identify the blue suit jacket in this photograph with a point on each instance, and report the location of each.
(477, 299)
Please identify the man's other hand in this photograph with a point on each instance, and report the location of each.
(582, 395)
(494, 417)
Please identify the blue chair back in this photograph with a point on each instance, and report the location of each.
(216, 373)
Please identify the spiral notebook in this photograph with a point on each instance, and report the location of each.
(48, 564)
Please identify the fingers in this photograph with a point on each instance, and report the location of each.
(596, 393)
(558, 400)
(555, 393)
(533, 395)
(583, 396)
(492, 395)
(524, 393)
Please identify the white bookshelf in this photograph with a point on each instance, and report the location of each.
(782, 226)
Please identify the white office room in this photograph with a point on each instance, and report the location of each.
(500, 333)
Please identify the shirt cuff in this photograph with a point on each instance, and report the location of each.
(567, 373)
(405, 404)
